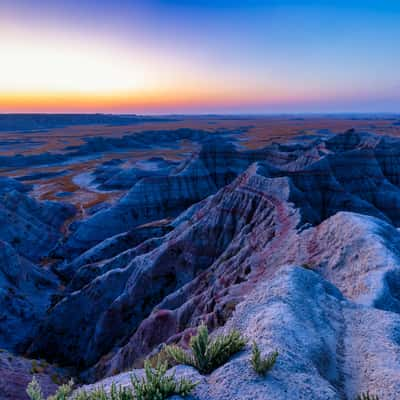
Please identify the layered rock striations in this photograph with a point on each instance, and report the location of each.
(25, 295)
(329, 347)
(295, 245)
(33, 228)
(161, 196)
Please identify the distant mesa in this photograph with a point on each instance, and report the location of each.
(32, 122)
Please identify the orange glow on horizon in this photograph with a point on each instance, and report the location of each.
(49, 72)
(167, 100)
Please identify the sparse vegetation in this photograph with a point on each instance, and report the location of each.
(34, 391)
(366, 396)
(262, 365)
(63, 392)
(116, 393)
(206, 354)
(157, 385)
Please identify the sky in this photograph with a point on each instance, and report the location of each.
(220, 56)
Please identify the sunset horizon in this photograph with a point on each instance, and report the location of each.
(210, 57)
(199, 199)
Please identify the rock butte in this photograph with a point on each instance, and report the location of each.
(295, 245)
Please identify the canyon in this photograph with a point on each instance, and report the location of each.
(294, 241)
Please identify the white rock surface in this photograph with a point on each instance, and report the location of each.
(330, 348)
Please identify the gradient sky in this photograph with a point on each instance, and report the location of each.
(220, 56)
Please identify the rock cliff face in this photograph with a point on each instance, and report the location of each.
(31, 227)
(329, 347)
(160, 196)
(296, 245)
(265, 218)
(25, 292)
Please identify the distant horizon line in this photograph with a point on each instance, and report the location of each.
(209, 114)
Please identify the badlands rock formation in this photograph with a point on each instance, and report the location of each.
(330, 348)
(296, 245)
(25, 292)
(31, 227)
(28, 231)
(159, 196)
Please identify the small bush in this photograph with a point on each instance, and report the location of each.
(34, 391)
(367, 396)
(206, 354)
(116, 393)
(156, 385)
(63, 392)
(262, 365)
(96, 394)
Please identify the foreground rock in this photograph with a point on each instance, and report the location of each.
(324, 341)
(208, 264)
(16, 373)
(332, 206)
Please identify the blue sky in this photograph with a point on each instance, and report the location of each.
(206, 56)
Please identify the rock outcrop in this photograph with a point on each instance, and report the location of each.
(88, 265)
(25, 295)
(329, 347)
(158, 196)
(31, 227)
(265, 218)
(137, 279)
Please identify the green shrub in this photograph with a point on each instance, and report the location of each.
(262, 365)
(34, 391)
(156, 385)
(116, 393)
(206, 354)
(63, 391)
(96, 394)
(367, 396)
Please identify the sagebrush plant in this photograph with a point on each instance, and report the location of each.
(157, 385)
(367, 396)
(63, 392)
(116, 393)
(34, 391)
(262, 365)
(207, 354)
